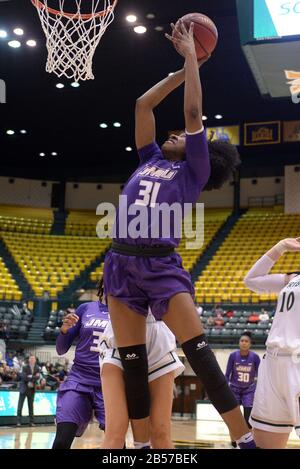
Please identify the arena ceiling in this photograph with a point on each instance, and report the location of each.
(66, 121)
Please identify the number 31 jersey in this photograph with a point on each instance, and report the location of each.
(285, 330)
(159, 181)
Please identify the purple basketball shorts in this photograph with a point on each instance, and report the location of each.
(140, 282)
(244, 396)
(76, 403)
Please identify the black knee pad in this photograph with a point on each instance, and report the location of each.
(247, 413)
(135, 363)
(206, 367)
(65, 434)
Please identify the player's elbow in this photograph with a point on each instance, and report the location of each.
(252, 284)
(248, 282)
(142, 103)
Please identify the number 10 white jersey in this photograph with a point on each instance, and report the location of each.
(285, 330)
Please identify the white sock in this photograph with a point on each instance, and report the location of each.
(138, 445)
(245, 438)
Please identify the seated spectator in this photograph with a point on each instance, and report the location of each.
(219, 321)
(18, 361)
(229, 314)
(4, 335)
(210, 321)
(61, 374)
(8, 375)
(52, 379)
(46, 368)
(26, 312)
(264, 317)
(219, 311)
(254, 318)
(9, 359)
(41, 383)
(199, 310)
(67, 366)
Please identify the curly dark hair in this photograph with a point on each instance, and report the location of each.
(100, 288)
(247, 334)
(224, 159)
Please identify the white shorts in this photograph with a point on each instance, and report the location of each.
(276, 406)
(161, 346)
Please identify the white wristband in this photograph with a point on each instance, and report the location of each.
(195, 133)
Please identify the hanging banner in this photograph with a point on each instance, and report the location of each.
(262, 133)
(291, 131)
(230, 133)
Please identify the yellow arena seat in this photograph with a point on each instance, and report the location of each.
(253, 234)
(25, 219)
(50, 263)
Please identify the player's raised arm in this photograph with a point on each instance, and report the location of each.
(197, 154)
(185, 45)
(258, 278)
(144, 116)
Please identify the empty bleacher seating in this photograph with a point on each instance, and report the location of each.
(213, 220)
(254, 233)
(25, 219)
(9, 290)
(17, 324)
(81, 223)
(233, 327)
(50, 263)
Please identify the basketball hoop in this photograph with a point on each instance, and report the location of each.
(72, 37)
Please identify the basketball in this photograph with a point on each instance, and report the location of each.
(205, 33)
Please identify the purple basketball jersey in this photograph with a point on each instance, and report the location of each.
(159, 181)
(242, 370)
(93, 318)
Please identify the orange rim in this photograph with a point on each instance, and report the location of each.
(85, 16)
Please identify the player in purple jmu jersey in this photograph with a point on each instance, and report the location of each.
(144, 271)
(80, 395)
(241, 373)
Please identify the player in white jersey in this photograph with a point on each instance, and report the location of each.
(164, 367)
(276, 407)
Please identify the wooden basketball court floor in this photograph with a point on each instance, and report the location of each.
(186, 434)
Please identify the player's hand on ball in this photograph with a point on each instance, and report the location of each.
(69, 321)
(183, 39)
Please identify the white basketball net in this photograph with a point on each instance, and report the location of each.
(72, 38)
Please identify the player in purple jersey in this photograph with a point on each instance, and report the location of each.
(241, 374)
(145, 271)
(80, 395)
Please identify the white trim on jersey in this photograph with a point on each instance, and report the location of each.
(170, 362)
(195, 133)
(161, 350)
